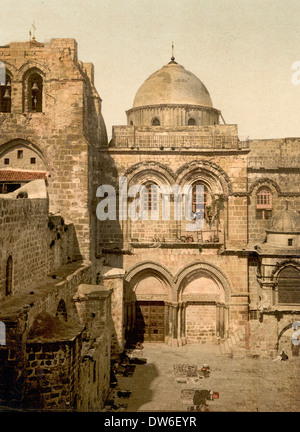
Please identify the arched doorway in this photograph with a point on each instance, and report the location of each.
(203, 301)
(147, 295)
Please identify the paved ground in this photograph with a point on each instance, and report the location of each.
(243, 383)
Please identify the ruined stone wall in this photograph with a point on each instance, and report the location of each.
(93, 303)
(38, 244)
(95, 375)
(52, 375)
(24, 235)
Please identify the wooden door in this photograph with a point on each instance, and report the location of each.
(150, 321)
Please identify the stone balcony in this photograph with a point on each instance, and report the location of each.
(214, 137)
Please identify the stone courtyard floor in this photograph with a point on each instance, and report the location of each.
(166, 382)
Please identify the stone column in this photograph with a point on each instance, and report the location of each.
(183, 337)
(179, 332)
(221, 320)
(175, 326)
(170, 315)
(217, 319)
(166, 323)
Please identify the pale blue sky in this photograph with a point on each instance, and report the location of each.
(242, 50)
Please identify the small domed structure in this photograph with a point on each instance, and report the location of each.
(172, 96)
(287, 220)
(284, 229)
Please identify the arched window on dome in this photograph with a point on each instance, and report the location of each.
(35, 92)
(5, 95)
(264, 203)
(289, 285)
(155, 122)
(191, 122)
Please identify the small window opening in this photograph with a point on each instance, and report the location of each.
(35, 92)
(155, 122)
(5, 96)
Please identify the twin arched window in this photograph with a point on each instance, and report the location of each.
(32, 92)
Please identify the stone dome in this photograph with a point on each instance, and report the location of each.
(172, 85)
(287, 220)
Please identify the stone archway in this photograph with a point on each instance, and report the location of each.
(148, 292)
(203, 295)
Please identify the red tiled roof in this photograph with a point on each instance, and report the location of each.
(10, 175)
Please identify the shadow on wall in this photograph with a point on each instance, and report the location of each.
(109, 231)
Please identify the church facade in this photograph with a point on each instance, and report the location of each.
(189, 285)
(76, 287)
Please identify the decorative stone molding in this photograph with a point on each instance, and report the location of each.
(281, 265)
(211, 269)
(262, 182)
(187, 171)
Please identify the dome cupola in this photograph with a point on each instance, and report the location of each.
(172, 96)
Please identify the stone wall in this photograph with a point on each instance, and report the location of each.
(52, 371)
(271, 333)
(24, 237)
(65, 135)
(200, 323)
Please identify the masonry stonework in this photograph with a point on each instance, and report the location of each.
(76, 289)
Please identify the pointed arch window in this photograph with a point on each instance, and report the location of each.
(289, 285)
(35, 92)
(9, 276)
(5, 95)
(264, 203)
